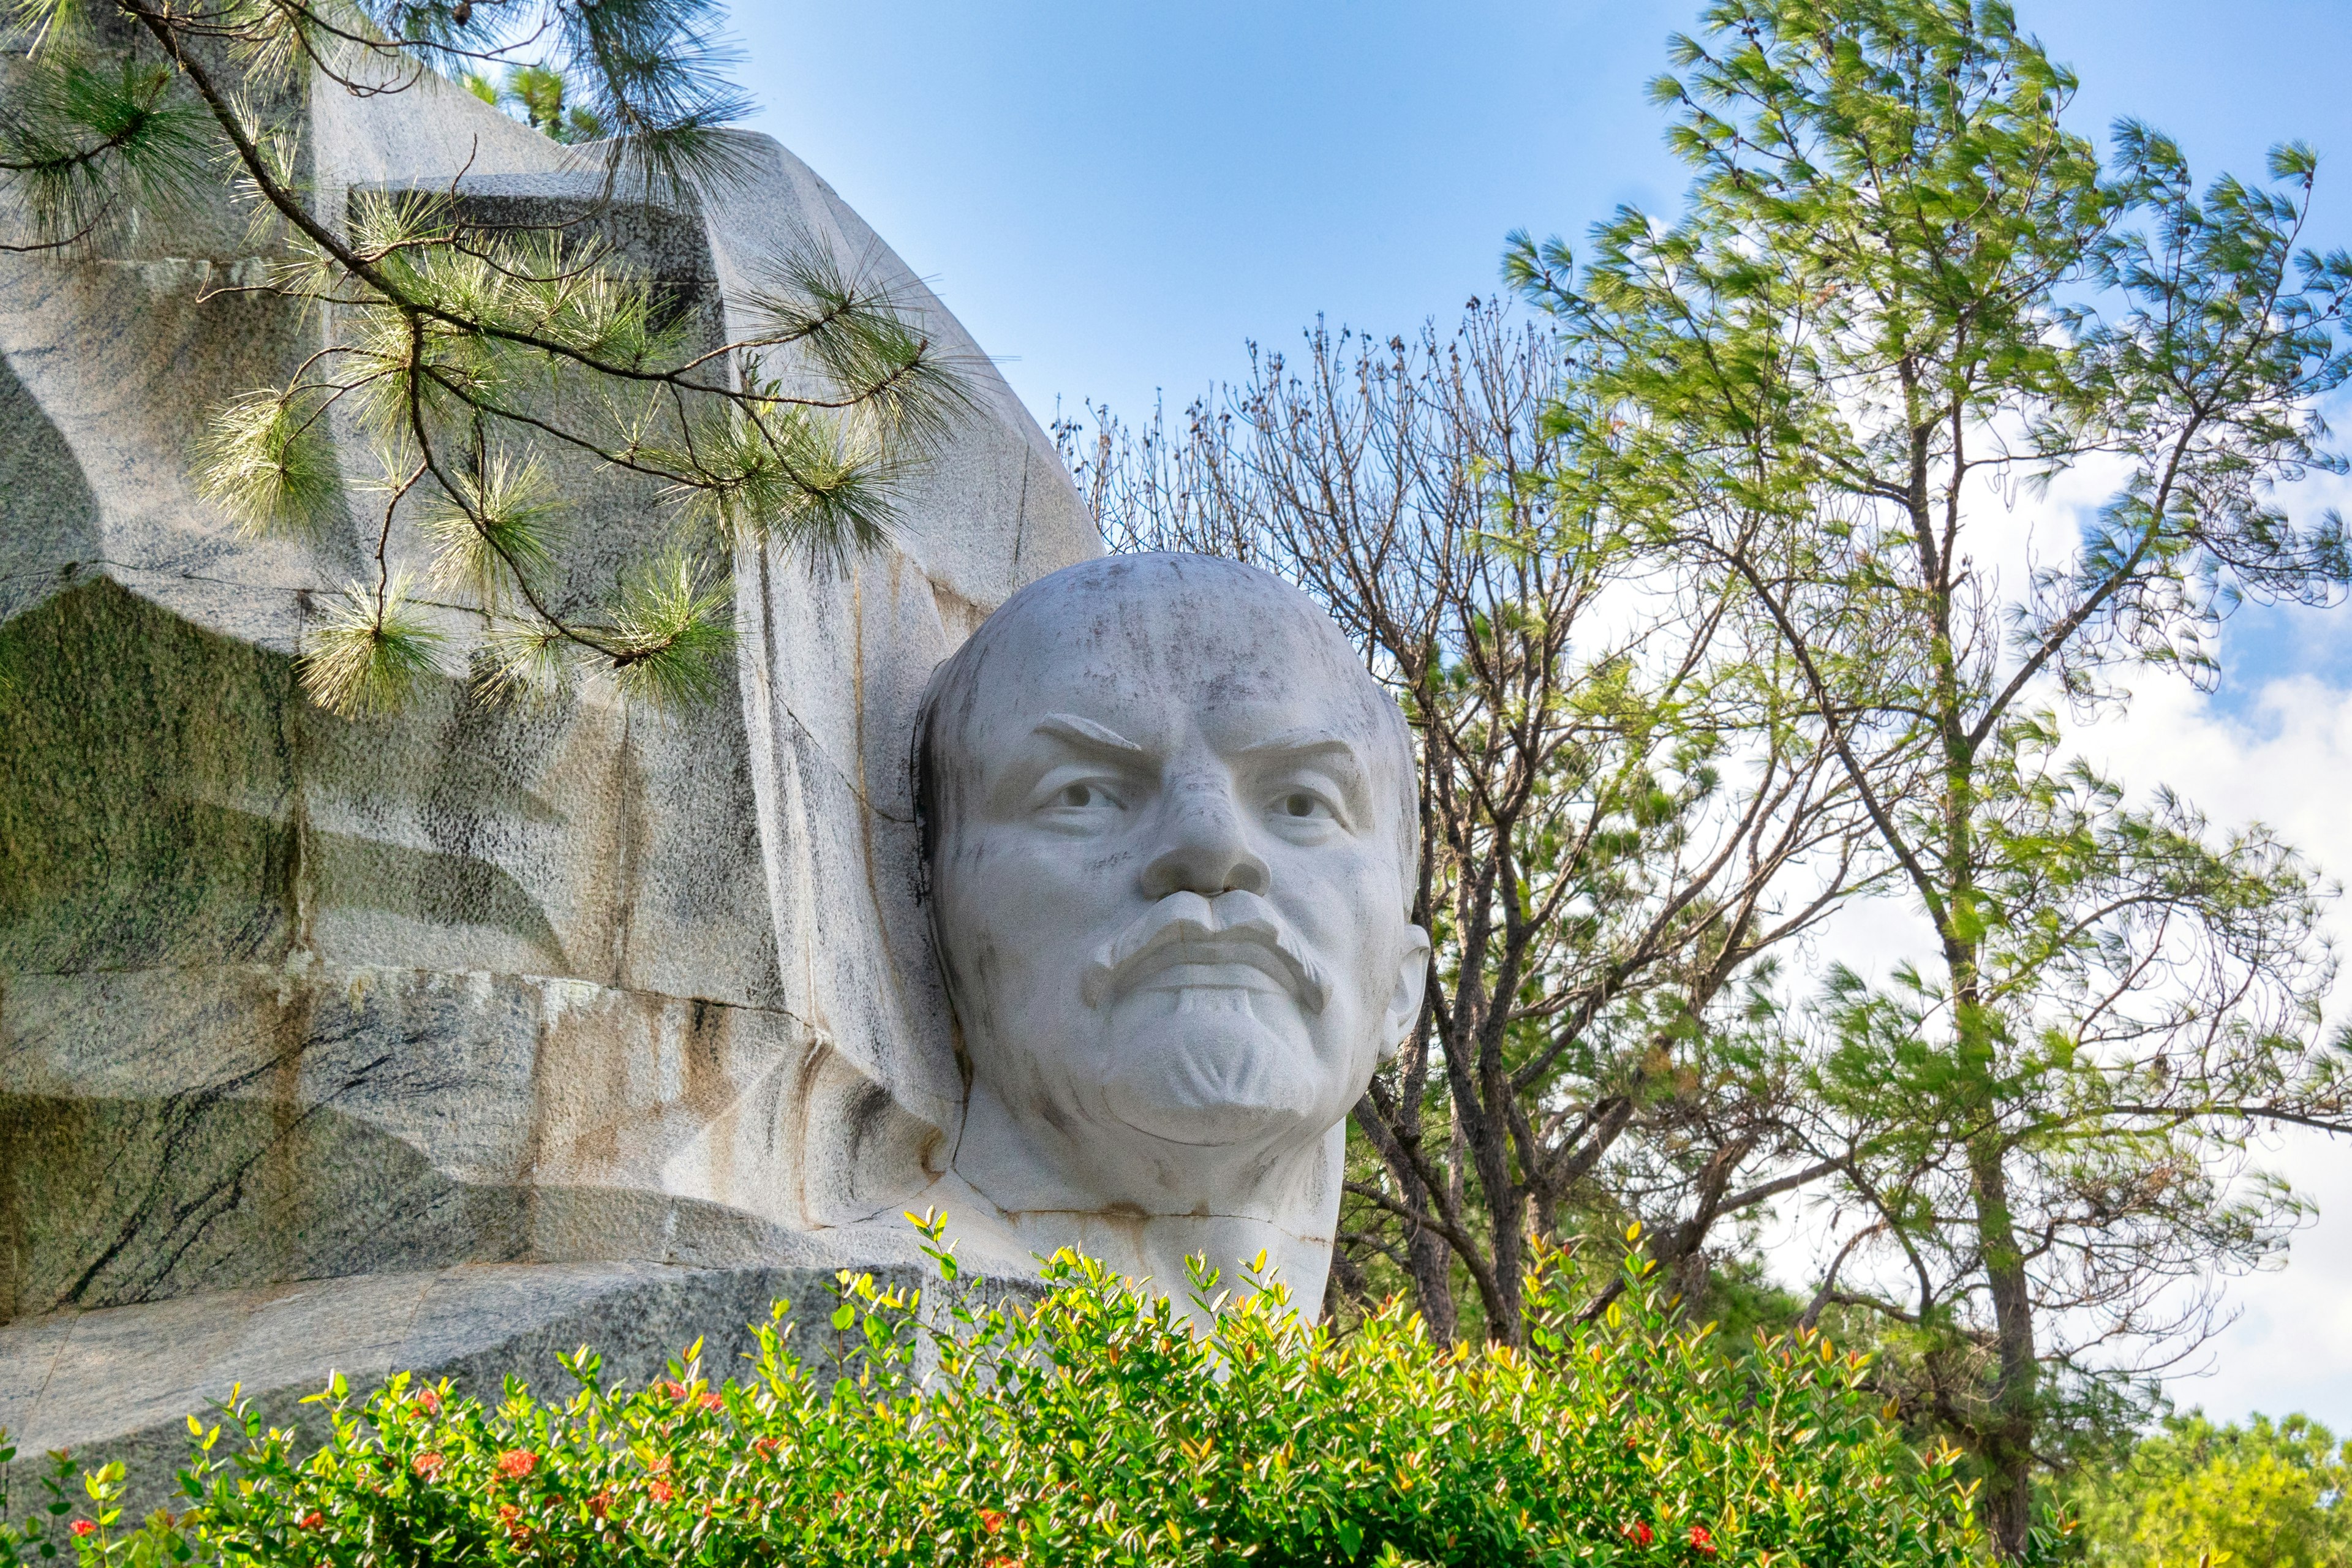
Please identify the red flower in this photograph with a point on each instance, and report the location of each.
(1639, 1532)
(429, 1466)
(84, 1527)
(516, 1463)
(600, 1504)
(991, 1520)
(311, 1521)
(765, 1448)
(429, 1402)
(661, 1490)
(711, 1402)
(1701, 1540)
(512, 1517)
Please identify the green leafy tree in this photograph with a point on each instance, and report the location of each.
(540, 92)
(2194, 1495)
(1901, 289)
(494, 368)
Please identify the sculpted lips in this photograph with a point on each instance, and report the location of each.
(1183, 929)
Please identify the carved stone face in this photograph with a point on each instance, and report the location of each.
(1171, 856)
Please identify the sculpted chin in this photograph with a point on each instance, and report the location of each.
(1168, 826)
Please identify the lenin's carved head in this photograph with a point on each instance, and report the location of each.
(1171, 831)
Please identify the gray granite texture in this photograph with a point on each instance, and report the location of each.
(471, 991)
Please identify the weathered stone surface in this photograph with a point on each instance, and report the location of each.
(449, 1041)
(480, 1004)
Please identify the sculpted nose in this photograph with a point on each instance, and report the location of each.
(1205, 849)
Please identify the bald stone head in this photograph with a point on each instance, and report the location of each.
(1169, 824)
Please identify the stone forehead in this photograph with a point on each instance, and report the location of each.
(1167, 622)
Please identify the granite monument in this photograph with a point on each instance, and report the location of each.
(450, 1040)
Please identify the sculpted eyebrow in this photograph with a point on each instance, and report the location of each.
(1300, 742)
(1087, 735)
(1339, 754)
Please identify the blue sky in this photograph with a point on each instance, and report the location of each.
(1114, 195)
(1115, 198)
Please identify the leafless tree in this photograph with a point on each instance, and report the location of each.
(1619, 823)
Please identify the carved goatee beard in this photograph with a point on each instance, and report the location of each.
(1199, 1057)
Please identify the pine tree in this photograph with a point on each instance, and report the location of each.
(1903, 288)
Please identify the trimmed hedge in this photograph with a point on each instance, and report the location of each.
(1093, 1427)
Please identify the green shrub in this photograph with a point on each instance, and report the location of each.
(1098, 1428)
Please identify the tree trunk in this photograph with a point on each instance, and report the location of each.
(2008, 1449)
(1431, 1258)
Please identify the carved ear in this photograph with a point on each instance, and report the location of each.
(1404, 1002)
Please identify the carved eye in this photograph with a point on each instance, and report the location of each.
(1299, 805)
(1081, 799)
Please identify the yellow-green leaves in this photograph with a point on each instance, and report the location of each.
(2273, 1493)
(525, 661)
(867, 336)
(493, 527)
(1088, 1425)
(666, 641)
(787, 476)
(520, 364)
(91, 146)
(500, 372)
(670, 638)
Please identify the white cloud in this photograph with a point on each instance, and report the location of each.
(2284, 759)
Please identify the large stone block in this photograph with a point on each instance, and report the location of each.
(439, 1039)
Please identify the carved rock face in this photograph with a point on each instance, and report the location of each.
(1171, 857)
(300, 1016)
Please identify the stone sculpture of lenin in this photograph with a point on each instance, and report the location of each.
(451, 1040)
(1170, 828)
